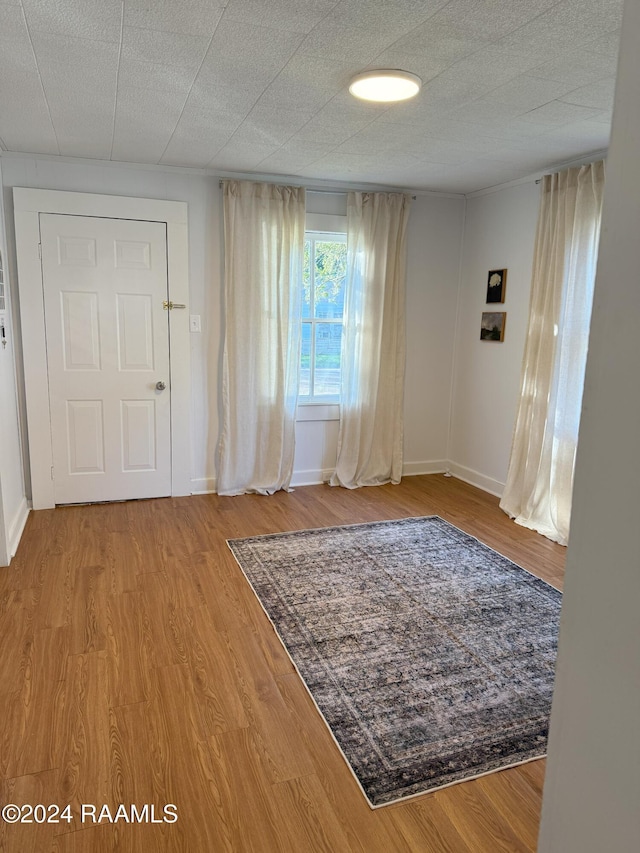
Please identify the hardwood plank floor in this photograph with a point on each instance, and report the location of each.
(137, 666)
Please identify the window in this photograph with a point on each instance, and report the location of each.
(323, 283)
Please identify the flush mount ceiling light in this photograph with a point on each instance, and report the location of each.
(385, 85)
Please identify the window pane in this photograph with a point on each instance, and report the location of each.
(327, 359)
(305, 361)
(330, 271)
(306, 281)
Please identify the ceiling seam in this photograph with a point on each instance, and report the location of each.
(295, 52)
(471, 54)
(115, 97)
(332, 98)
(326, 103)
(40, 80)
(193, 82)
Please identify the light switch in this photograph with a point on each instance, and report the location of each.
(194, 323)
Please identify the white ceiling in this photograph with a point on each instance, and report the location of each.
(510, 87)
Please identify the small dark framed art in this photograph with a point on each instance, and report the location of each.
(496, 285)
(492, 327)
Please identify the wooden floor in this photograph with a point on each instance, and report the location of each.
(136, 666)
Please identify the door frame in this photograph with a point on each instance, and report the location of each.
(28, 205)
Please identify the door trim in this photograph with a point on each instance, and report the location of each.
(28, 205)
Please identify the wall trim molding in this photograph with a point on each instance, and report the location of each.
(318, 476)
(434, 466)
(319, 185)
(475, 478)
(599, 154)
(313, 477)
(204, 486)
(16, 527)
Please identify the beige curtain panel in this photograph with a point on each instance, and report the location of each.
(373, 348)
(264, 243)
(539, 483)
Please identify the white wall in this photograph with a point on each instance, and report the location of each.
(499, 233)
(13, 505)
(592, 790)
(434, 240)
(433, 262)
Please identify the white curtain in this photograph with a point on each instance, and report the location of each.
(264, 242)
(540, 477)
(373, 347)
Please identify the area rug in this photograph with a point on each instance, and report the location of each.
(430, 656)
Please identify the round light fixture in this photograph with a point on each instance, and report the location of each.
(385, 85)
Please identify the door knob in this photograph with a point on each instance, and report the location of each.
(160, 385)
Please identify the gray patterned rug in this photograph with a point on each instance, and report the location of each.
(430, 656)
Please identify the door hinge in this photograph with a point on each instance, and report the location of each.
(40, 250)
(52, 472)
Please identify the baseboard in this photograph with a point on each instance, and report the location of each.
(475, 478)
(14, 533)
(435, 466)
(203, 486)
(208, 485)
(314, 477)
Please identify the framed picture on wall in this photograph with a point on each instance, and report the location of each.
(496, 285)
(492, 326)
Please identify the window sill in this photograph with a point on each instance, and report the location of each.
(318, 412)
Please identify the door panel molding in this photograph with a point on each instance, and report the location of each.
(28, 205)
(115, 320)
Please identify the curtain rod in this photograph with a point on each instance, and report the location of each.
(340, 192)
(325, 192)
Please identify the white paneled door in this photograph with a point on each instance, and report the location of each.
(105, 281)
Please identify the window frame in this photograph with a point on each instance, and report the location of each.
(315, 235)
